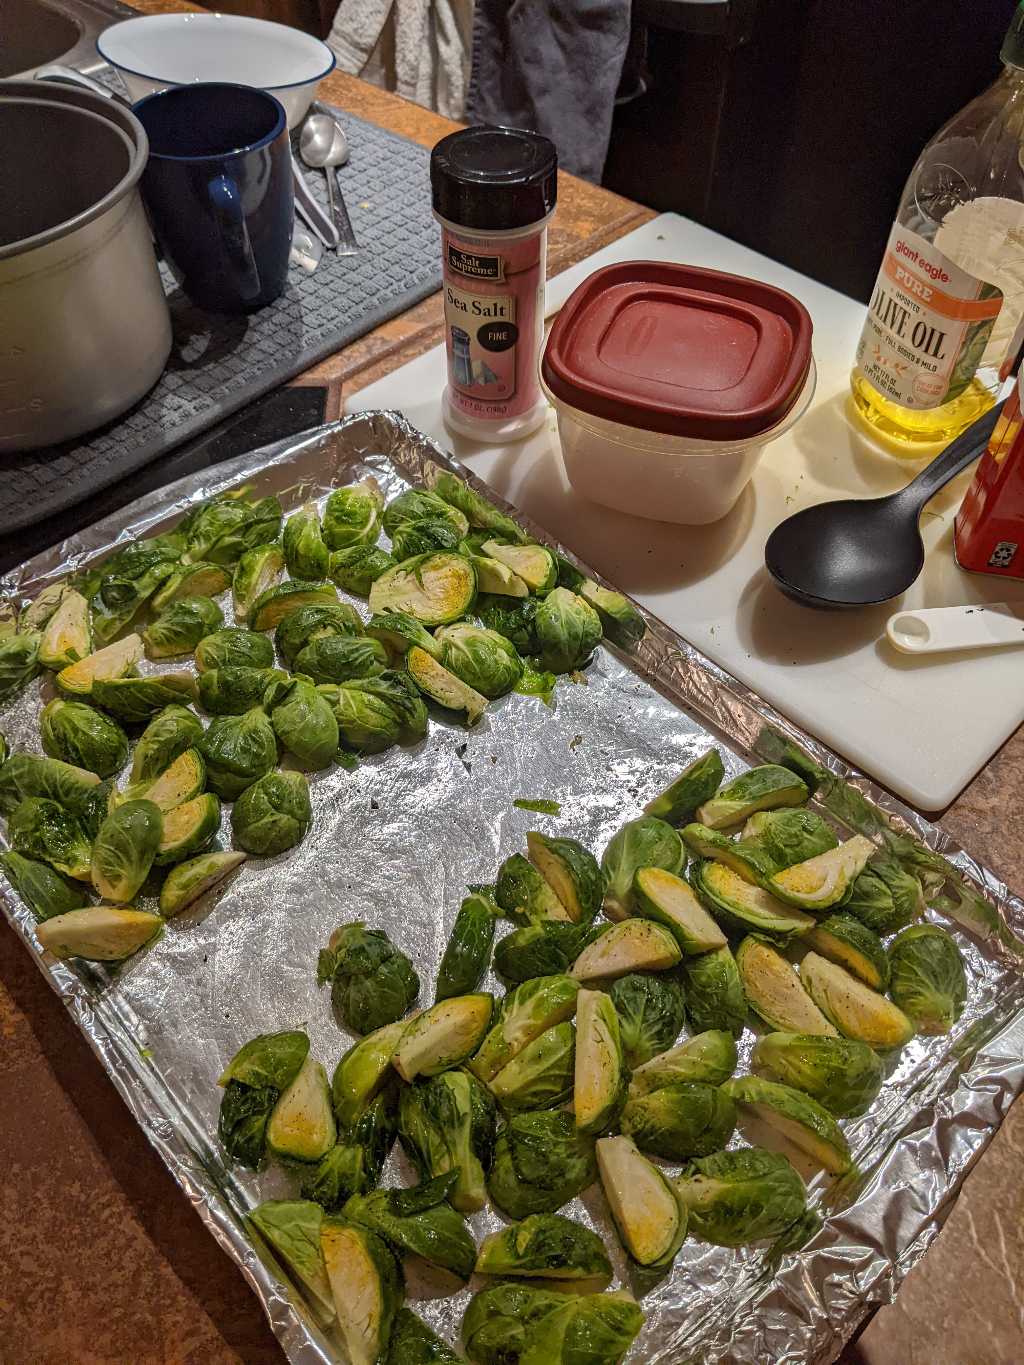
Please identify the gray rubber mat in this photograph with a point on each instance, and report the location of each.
(218, 363)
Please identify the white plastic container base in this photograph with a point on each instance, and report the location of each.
(661, 477)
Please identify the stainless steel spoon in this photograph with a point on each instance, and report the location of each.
(324, 146)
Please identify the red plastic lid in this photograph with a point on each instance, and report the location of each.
(679, 350)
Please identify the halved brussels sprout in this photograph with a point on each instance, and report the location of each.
(363, 1072)
(414, 1343)
(423, 536)
(515, 618)
(907, 893)
(441, 686)
(481, 658)
(193, 580)
(443, 1036)
(301, 1126)
(356, 569)
(525, 895)
(647, 842)
(419, 1221)
(649, 1217)
(188, 828)
(367, 1287)
(123, 591)
(235, 688)
(540, 1076)
(124, 849)
(139, 699)
(708, 1058)
(651, 1012)
(304, 624)
(292, 1229)
(681, 1120)
(367, 723)
(741, 1196)
(534, 564)
(221, 529)
(403, 697)
(417, 503)
(397, 631)
(66, 638)
(571, 871)
(435, 588)
(797, 1116)
(165, 738)
(305, 551)
(181, 781)
(774, 991)
(568, 631)
(19, 662)
(468, 950)
(269, 1059)
(303, 721)
(696, 784)
(474, 507)
(100, 933)
(242, 1122)
(535, 1327)
(44, 890)
(118, 660)
(855, 1009)
(843, 939)
(525, 1014)
(790, 835)
(447, 1124)
(540, 1163)
(340, 658)
(544, 1245)
(80, 735)
(543, 949)
(823, 881)
(764, 788)
(352, 515)
(620, 620)
(599, 1081)
(234, 647)
(273, 605)
(186, 882)
(27, 775)
(41, 829)
(181, 625)
(41, 608)
(747, 858)
(238, 750)
(928, 981)
(714, 993)
(634, 945)
(667, 900)
(744, 907)
(842, 1074)
(273, 814)
(257, 572)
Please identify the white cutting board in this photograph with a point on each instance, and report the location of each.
(923, 727)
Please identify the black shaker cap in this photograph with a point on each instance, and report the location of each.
(493, 179)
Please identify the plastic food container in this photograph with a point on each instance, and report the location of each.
(669, 381)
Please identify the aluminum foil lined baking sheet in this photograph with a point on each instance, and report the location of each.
(396, 841)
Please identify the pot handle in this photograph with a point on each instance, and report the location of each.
(226, 203)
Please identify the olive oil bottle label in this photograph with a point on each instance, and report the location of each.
(927, 325)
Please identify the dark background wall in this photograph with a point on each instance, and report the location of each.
(795, 130)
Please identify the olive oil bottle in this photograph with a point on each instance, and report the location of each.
(950, 292)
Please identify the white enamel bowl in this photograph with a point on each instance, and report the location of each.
(160, 50)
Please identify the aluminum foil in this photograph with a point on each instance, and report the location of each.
(396, 841)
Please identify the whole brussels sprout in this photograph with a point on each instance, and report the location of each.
(314, 622)
(19, 662)
(367, 723)
(41, 829)
(423, 536)
(81, 735)
(139, 699)
(473, 505)
(305, 551)
(516, 1323)
(647, 842)
(842, 1074)
(44, 890)
(207, 522)
(165, 738)
(541, 1162)
(340, 658)
(238, 750)
(234, 647)
(513, 617)
(273, 814)
(651, 1012)
(927, 979)
(402, 695)
(741, 1196)
(352, 515)
(568, 631)
(303, 721)
(258, 570)
(124, 849)
(235, 689)
(181, 625)
(481, 658)
(790, 835)
(372, 983)
(417, 504)
(356, 569)
(26, 775)
(679, 1121)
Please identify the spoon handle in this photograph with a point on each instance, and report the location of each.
(949, 463)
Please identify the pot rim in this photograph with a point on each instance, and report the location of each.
(124, 123)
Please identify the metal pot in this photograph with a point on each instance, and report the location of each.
(84, 326)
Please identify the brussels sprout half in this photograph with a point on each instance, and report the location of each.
(301, 1126)
(25, 775)
(341, 658)
(447, 1124)
(647, 842)
(233, 647)
(599, 1083)
(927, 978)
(424, 536)
(519, 1322)
(764, 788)
(419, 1221)
(39, 828)
(181, 625)
(649, 1217)
(468, 951)
(541, 1075)
(443, 687)
(314, 622)
(525, 1014)
(257, 572)
(291, 1228)
(747, 858)
(708, 1058)
(543, 949)
(19, 662)
(242, 1122)
(535, 564)
(186, 882)
(363, 1072)
(651, 1012)
(823, 881)
(276, 603)
(480, 658)
(475, 508)
(634, 945)
(193, 580)
(434, 588)
(124, 849)
(525, 895)
(541, 1162)
(415, 504)
(682, 1120)
(798, 1117)
(714, 993)
(188, 829)
(696, 784)
(305, 551)
(366, 1284)
(742, 1196)
(790, 835)
(367, 722)
(413, 1343)
(44, 890)
(842, 1074)
(571, 871)
(443, 1036)
(744, 907)
(273, 814)
(100, 933)
(774, 991)
(303, 721)
(854, 1009)
(118, 660)
(269, 1059)
(235, 688)
(41, 608)
(352, 515)
(620, 620)
(238, 750)
(843, 939)
(181, 781)
(136, 700)
(165, 738)
(397, 631)
(568, 631)
(544, 1245)
(667, 900)
(356, 569)
(67, 637)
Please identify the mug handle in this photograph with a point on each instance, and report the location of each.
(227, 208)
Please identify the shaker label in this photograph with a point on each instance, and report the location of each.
(927, 326)
(475, 267)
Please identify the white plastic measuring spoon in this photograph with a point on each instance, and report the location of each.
(934, 630)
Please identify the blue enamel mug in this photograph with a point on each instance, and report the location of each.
(218, 189)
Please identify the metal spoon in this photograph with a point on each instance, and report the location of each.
(324, 146)
(860, 551)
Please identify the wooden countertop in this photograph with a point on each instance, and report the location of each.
(104, 1261)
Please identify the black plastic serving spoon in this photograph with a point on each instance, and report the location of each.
(861, 551)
